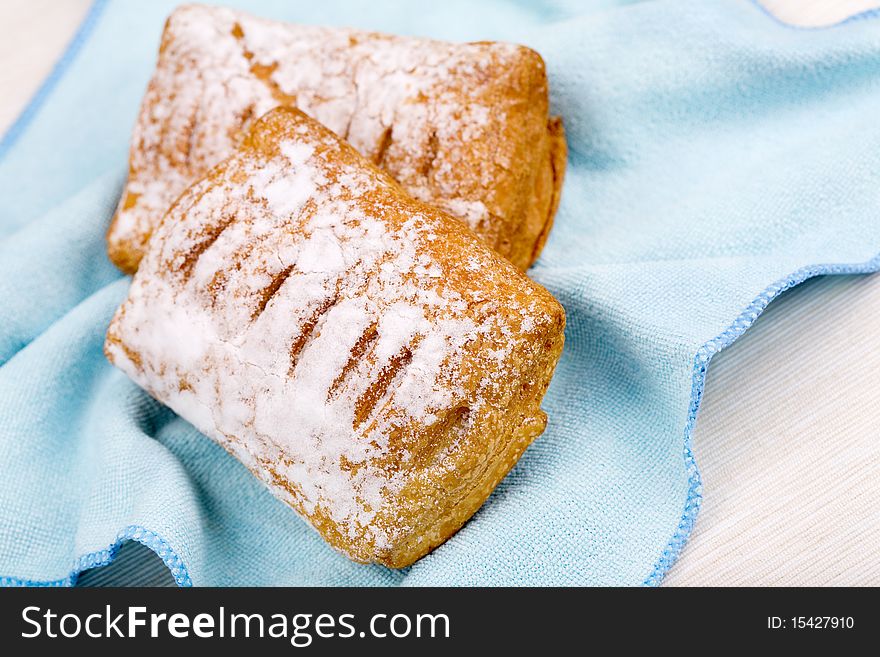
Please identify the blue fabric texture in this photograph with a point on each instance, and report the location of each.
(717, 158)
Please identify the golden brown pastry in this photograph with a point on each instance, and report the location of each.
(462, 126)
(364, 354)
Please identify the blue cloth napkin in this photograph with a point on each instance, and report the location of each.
(717, 157)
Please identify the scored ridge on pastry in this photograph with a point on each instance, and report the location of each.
(462, 126)
(364, 354)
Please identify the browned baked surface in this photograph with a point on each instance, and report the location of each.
(363, 353)
(462, 126)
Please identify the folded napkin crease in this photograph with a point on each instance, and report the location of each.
(717, 157)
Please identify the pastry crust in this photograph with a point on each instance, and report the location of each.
(363, 353)
(464, 127)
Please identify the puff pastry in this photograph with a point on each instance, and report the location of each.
(462, 126)
(361, 352)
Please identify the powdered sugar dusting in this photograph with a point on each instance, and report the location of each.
(423, 110)
(312, 333)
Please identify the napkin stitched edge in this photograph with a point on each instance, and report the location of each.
(702, 358)
(106, 556)
(133, 532)
(701, 363)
